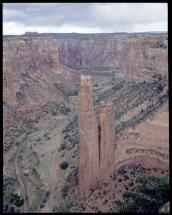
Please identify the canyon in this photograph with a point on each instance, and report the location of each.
(96, 102)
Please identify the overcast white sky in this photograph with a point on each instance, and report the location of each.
(84, 17)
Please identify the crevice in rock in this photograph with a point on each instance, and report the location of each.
(99, 140)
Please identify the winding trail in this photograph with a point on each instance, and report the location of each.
(18, 171)
(19, 177)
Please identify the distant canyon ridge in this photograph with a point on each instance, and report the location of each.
(37, 69)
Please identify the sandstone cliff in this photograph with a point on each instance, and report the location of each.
(33, 78)
(138, 54)
(37, 70)
(32, 72)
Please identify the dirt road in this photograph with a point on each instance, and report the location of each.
(19, 177)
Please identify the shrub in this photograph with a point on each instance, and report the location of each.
(64, 165)
(8, 208)
(17, 143)
(157, 189)
(54, 112)
(65, 110)
(119, 179)
(131, 183)
(127, 195)
(148, 197)
(16, 200)
(42, 205)
(65, 207)
(121, 171)
(62, 146)
(65, 191)
(143, 177)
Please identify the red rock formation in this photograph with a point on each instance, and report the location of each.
(31, 66)
(106, 154)
(96, 140)
(88, 132)
(137, 53)
(31, 74)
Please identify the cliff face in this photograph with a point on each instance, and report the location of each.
(96, 139)
(37, 70)
(149, 53)
(32, 78)
(32, 71)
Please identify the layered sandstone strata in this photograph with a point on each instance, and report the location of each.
(32, 71)
(146, 53)
(96, 139)
(33, 78)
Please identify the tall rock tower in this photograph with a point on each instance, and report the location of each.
(107, 136)
(96, 139)
(88, 133)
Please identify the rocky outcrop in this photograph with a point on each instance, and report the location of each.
(106, 154)
(88, 132)
(165, 208)
(96, 139)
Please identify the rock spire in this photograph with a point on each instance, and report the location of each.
(96, 139)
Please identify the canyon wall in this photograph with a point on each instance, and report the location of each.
(96, 139)
(33, 79)
(32, 74)
(38, 70)
(137, 53)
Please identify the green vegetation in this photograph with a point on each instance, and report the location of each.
(11, 203)
(54, 112)
(65, 110)
(16, 200)
(62, 147)
(65, 191)
(62, 110)
(143, 178)
(68, 206)
(17, 143)
(8, 208)
(65, 207)
(64, 165)
(151, 193)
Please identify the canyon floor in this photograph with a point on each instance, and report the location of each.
(32, 168)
